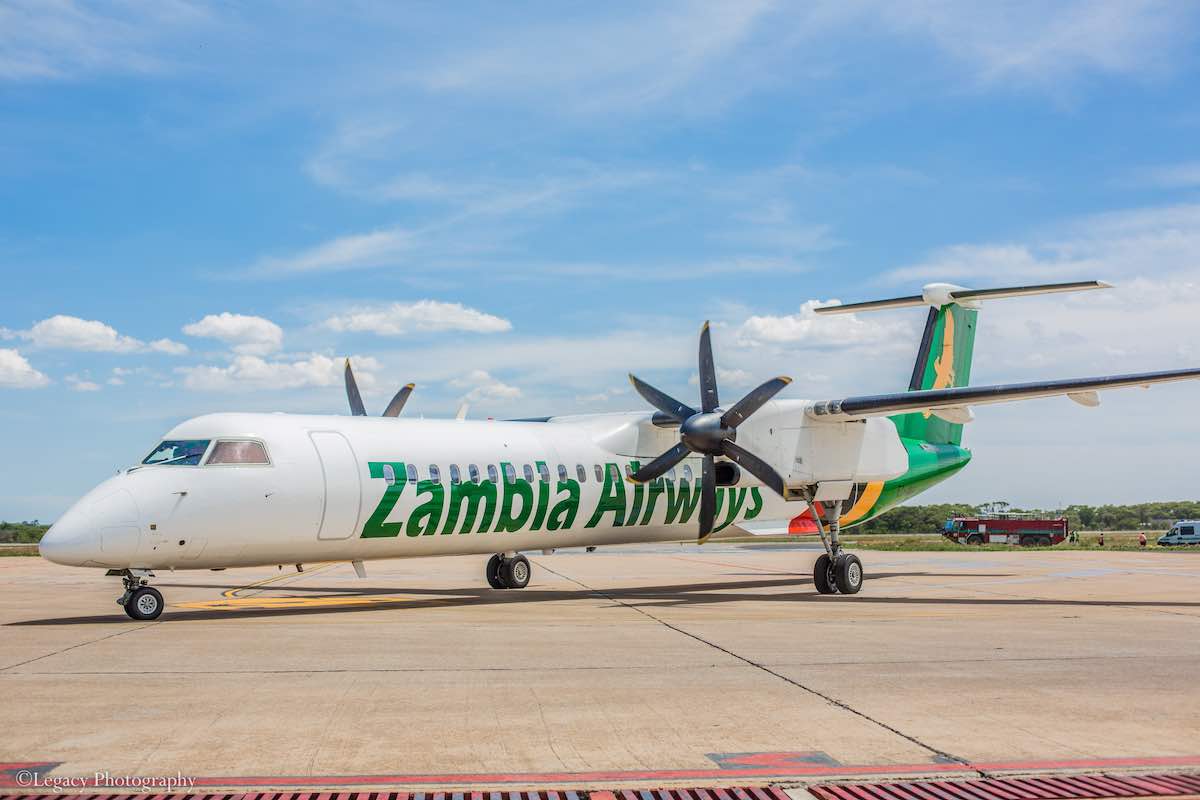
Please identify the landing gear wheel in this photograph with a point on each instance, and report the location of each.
(823, 575)
(493, 572)
(848, 574)
(144, 603)
(515, 572)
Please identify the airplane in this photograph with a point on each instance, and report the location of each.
(243, 490)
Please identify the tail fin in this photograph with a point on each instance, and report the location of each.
(944, 356)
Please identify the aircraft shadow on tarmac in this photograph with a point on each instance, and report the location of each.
(343, 599)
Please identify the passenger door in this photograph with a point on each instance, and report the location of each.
(339, 468)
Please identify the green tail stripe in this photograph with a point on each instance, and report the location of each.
(943, 362)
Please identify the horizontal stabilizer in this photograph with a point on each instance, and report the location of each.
(940, 294)
(1079, 389)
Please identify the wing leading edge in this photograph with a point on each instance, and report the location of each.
(959, 398)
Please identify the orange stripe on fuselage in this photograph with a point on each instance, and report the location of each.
(803, 522)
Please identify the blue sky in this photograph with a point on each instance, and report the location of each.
(206, 207)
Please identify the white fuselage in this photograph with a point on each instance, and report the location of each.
(342, 488)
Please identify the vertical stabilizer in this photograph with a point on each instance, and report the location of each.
(943, 362)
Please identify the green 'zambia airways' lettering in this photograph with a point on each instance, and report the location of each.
(516, 505)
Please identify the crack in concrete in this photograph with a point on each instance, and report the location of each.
(815, 692)
(80, 644)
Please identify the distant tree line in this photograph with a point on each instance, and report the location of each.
(22, 531)
(931, 518)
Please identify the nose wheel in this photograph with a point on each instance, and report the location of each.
(508, 572)
(140, 601)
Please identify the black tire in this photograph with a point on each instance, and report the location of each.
(848, 573)
(1044, 541)
(493, 572)
(823, 577)
(1029, 541)
(145, 603)
(974, 538)
(515, 572)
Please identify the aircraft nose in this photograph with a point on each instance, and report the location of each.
(96, 531)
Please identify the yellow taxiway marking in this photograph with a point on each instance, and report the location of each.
(233, 593)
(230, 597)
(297, 602)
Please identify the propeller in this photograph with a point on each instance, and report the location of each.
(356, 402)
(710, 432)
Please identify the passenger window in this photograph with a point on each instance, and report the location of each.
(544, 473)
(581, 473)
(493, 476)
(528, 472)
(473, 471)
(599, 474)
(435, 474)
(389, 475)
(612, 470)
(239, 453)
(455, 475)
(671, 474)
(510, 474)
(628, 471)
(687, 473)
(562, 472)
(1186, 530)
(411, 471)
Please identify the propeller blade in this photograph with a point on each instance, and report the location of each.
(661, 400)
(753, 401)
(356, 404)
(708, 499)
(708, 373)
(754, 465)
(660, 465)
(394, 407)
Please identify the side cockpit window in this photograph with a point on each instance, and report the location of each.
(181, 452)
(238, 453)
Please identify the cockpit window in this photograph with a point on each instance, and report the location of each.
(185, 452)
(238, 453)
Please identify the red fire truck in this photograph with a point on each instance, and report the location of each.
(1027, 530)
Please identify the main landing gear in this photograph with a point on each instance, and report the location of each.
(835, 570)
(140, 601)
(508, 571)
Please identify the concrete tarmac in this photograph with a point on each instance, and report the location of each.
(662, 665)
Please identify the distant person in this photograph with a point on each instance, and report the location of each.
(1102, 538)
(1142, 539)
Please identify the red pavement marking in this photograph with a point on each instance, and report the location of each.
(781, 770)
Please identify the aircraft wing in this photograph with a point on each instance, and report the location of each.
(954, 403)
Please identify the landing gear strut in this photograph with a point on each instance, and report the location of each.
(835, 570)
(508, 571)
(140, 601)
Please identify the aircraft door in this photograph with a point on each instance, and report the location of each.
(340, 513)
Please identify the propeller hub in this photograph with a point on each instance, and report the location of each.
(704, 432)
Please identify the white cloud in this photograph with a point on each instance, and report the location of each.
(484, 387)
(1168, 176)
(1148, 241)
(252, 373)
(249, 335)
(63, 332)
(808, 329)
(17, 373)
(63, 39)
(354, 251)
(423, 315)
(79, 384)
(169, 347)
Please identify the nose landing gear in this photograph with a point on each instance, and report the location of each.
(140, 601)
(508, 571)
